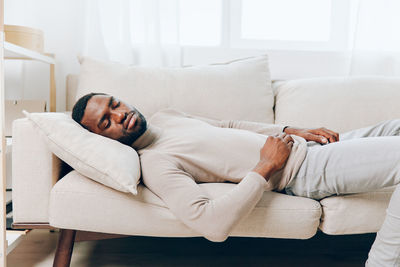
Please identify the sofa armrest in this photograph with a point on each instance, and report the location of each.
(35, 170)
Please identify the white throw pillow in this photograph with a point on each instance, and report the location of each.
(237, 90)
(102, 159)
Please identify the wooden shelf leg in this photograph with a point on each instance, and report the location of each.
(64, 248)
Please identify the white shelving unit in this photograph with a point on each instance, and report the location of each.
(12, 51)
(10, 239)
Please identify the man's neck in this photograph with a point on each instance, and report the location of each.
(151, 134)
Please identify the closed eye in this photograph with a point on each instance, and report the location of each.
(108, 124)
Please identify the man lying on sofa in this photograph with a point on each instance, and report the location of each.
(177, 151)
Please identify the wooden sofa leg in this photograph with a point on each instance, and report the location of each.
(64, 248)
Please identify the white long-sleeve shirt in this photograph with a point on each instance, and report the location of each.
(177, 151)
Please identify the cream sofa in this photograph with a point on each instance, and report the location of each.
(41, 199)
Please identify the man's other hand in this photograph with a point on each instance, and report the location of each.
(320, 135)
(274, 154)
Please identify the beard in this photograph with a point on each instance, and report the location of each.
(141, 126)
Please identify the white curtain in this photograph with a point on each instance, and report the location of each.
(146, 32)
(139, 32)
(376, 38)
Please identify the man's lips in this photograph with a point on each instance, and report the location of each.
(130, 121)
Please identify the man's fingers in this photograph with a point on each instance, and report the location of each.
(324, 134)
(334, 134)
(328, 135)
(290, 144)
(288, 139)
(317, 138)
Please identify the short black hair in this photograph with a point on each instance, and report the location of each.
(79, 108)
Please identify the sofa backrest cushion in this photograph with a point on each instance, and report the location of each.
(238, 90)
(338, 103)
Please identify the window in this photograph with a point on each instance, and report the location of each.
(290, 24)
(259, 24)
(286, 20)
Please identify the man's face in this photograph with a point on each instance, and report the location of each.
(110, 117)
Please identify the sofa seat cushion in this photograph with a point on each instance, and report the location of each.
(355, 213)
(77, 202)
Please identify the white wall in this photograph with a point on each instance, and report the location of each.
(62, 24)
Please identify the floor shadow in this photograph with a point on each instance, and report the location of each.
(321, 250)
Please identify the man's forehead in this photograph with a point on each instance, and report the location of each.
(94, 110)
(99, 98)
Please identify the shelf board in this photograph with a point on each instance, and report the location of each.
(13, 238)
(12, 51)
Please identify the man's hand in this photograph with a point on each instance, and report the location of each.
(320, 135)
(274, 154)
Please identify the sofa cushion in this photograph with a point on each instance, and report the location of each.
(355, 213)
(102, 159)
(338, 103)
(80, 203)
(239, 90)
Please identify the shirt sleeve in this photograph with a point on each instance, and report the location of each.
(257, 127)
(211, 218)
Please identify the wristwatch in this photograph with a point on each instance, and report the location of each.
(284, 128)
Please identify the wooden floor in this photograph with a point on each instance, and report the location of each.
(37, 250)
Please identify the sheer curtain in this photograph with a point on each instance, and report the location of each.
(146, 32)
(376, 38)
(139, 32)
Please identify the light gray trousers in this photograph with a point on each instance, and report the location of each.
(363, 160)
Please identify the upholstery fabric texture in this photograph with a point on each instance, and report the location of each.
(34, 170)
(355, 213)
(102, 159)
(337, 103)
(239, 90)
(80, 203)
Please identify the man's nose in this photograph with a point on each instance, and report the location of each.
(118, 117)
